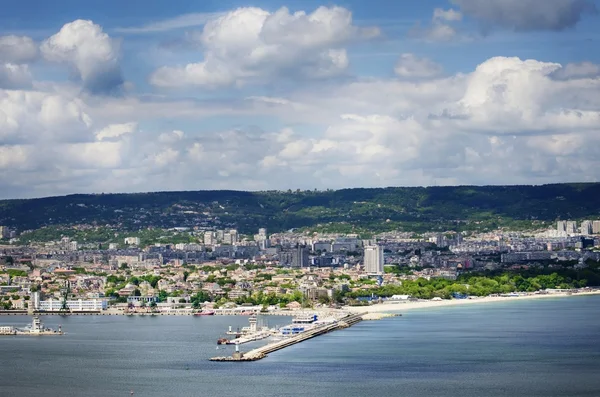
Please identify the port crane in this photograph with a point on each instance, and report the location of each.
(66, 291)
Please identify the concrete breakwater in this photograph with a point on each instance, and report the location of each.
(262, 352)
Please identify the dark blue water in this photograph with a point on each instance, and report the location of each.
(524, 348)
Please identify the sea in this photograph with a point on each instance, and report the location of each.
(544, 347)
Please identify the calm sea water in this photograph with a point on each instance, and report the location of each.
(525, 348)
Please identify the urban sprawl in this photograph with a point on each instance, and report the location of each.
(223, 270)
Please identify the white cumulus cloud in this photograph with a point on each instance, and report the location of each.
(89, 51)
(410, 65)
(17, 49)
(251, 44)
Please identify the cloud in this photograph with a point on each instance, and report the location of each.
(440, 28)
(14, 76)
(581, 70)
(17, 49)
(90, 52)
(411, 66)
(115, 131)
(253, 45)
(179, 22)
(527, 15)
(508, 120)
(439, 14)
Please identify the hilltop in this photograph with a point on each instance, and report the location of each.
(373, 209)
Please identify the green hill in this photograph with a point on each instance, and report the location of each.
(377, 209)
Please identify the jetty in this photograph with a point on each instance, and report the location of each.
(262, 352)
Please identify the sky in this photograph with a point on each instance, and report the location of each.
(151, 95)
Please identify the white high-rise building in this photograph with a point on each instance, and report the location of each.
(571, 227)
(586, 228)
(373, 260)
(596, 227)
(234, 236)
(209, 238)
(561, 226)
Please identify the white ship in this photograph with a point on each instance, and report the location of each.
(35, 328)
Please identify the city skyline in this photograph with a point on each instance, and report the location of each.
(154, 96)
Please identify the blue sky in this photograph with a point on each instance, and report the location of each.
(349, 93)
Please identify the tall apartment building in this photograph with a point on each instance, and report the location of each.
(571, 227)
(596, 227)
(561, 226)
(300, 257)
(209, 238)
(4, 232)
(373, 260)
(234, 236)
(586, 228)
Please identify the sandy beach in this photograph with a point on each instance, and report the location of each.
(404, 306)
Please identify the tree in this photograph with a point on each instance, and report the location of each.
(137, 292)
(153, 304)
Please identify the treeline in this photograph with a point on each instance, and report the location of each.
(488, 283)
(378, 209)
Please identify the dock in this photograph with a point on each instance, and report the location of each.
(262, 352)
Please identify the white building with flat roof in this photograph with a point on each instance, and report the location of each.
(373, 260)
(75, 305)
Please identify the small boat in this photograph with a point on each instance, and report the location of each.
(205, 313)
(222, 341)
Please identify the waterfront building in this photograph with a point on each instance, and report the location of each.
(75, 305)
(373, 260)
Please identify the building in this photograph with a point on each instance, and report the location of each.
(75, 305)
(4, 232)
(233, 233)
(561, 226)
(209, 238)
(571, 227)
(373, 260)
(596, 227)
(73, 246)
(586, 228)
(300, 257)
(35, 300)
(132, 240)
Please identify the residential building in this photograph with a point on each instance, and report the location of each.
(209, 238)
(233, 233)
(4, 232)
(571, 227)
(373, 260)
(300, 257)
(132, 240)
(596, 227)
(586, 228)
(561, 226)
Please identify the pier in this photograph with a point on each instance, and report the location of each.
(262, 352)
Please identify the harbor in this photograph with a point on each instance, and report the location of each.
(36, 328)
(302, 328)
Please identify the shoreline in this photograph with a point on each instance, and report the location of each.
(407, 306)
